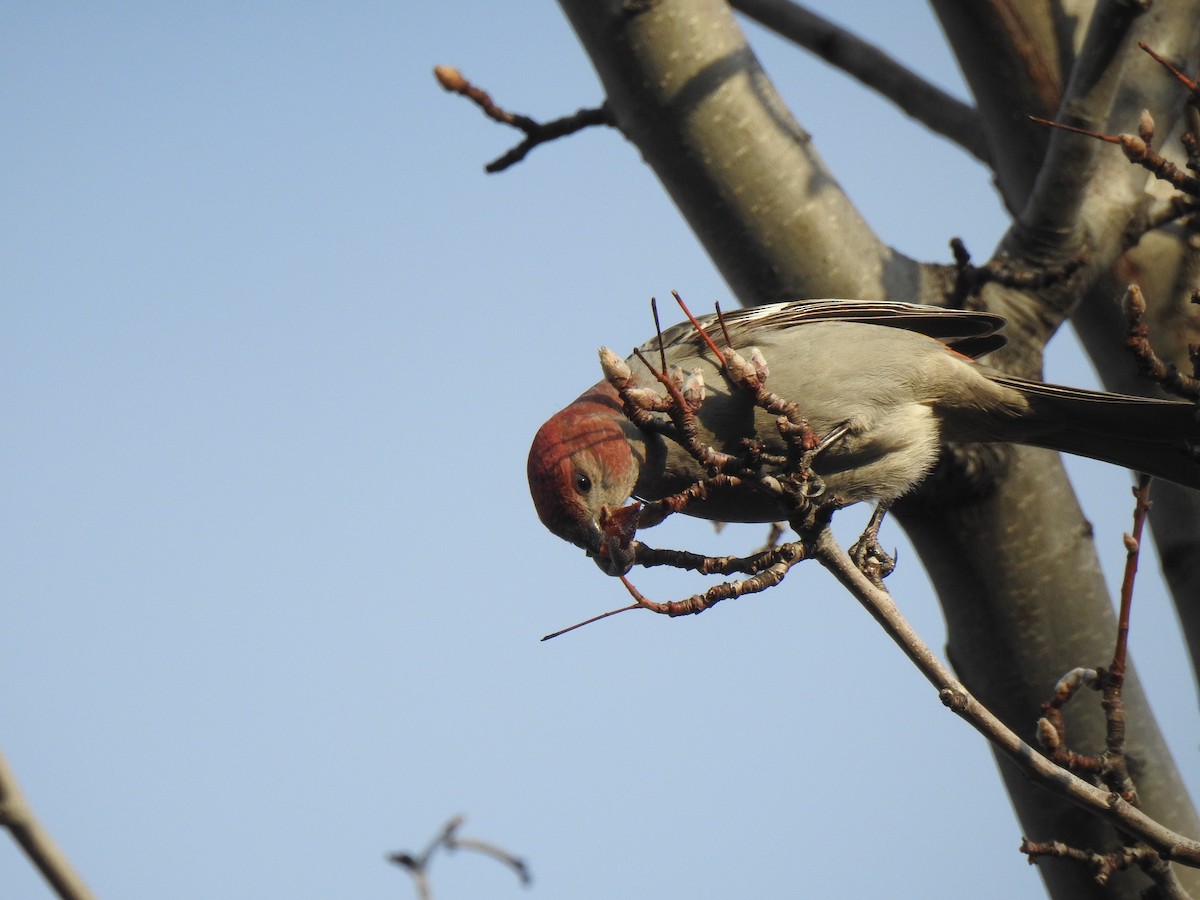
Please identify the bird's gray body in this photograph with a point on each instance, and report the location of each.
(898, 391)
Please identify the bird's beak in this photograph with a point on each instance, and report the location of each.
(614, 553)
(612, 558)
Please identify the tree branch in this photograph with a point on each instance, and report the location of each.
(535, 132)
(1050, 227)
(937, 110)
(17, 816)
(1105, 804)
(687, 90)
(1014, 59)
(1008, 548)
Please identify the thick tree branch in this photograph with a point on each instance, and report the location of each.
(939, 111)
(1015, 61)
(687, 90)
(1009, 552)
(1049, 227)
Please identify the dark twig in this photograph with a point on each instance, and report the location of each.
(969, 279)
(1103, 865)
(649, 557)
(417, 865)
(535, 132)
(1137, 342)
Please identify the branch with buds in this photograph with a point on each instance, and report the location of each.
(535, 132)
(672, 414)
(1150, 365)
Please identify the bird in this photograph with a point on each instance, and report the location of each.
(889, 382)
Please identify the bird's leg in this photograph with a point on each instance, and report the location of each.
(867, 553)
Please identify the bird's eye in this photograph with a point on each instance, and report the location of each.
(583, 484)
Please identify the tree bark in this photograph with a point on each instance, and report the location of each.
(1002, 536)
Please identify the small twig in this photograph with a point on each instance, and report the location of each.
(1117, 775)
(1183, 79)
(535, 132)
(650, 557)
(1137, 342)
(1133, 543)
(1112, 767)
(1139, 151)
(970, 279)
(1103, 865)
(765, 570)
(417, 865)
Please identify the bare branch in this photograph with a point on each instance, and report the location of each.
(937, 110)
(1049, 223)
(1105, 804)
(535, 132)
(417, 864)
(17, 816)
(1150, 365)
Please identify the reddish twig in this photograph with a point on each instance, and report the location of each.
(1184, 80)
(1138, 150)
(771, 568)
(1112, 766)
(535, 132)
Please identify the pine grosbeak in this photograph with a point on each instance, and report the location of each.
(897, 378)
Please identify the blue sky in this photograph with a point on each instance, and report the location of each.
(273, 349)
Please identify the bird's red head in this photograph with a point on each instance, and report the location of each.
(581, 467)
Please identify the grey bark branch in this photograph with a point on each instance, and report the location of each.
(1050, 226)
(1014, 61)
(687, 90)
(1048, 775)
(939, 111)
(1010, 554)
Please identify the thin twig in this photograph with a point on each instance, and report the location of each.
(1105, 804)
(1150, 365)
(417, 864)
(535, 132)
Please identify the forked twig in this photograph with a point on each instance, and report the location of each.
(417, 864)
(535, 132)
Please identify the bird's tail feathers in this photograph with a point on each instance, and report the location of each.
(1158, 437)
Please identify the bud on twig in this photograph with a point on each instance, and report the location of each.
(693, 388)
(740, 370)
(1146, 126)
(616, 370)
(1135, 303)
(760, 364)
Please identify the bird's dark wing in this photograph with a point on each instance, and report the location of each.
(968, 332)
